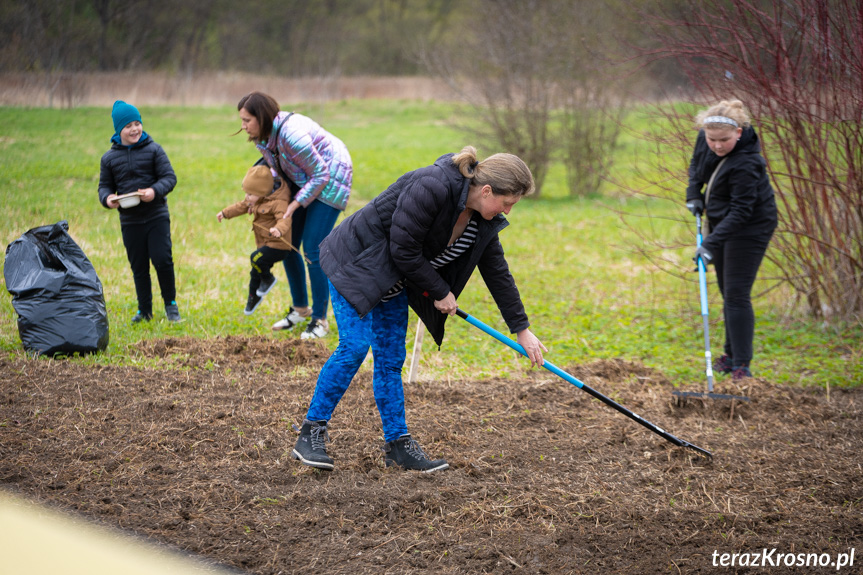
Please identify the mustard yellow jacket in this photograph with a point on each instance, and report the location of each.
(268, 214)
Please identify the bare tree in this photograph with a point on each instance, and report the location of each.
(532, 73)
(502, 69)
(592, 80)
(108, 11)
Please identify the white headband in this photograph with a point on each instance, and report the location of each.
(720, 120)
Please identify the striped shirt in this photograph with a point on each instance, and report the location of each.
(452, 251)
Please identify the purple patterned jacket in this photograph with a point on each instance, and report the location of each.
(317, 161)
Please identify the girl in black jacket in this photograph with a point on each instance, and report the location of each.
(136, 168)
(415, 244)
(741, 217)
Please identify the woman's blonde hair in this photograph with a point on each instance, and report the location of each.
(728, 109)
(507, 174)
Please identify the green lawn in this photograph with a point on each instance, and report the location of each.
(588, 293)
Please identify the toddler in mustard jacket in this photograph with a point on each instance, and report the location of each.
(268, 205)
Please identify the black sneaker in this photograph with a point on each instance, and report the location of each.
(172, 311)
(407, 453)
(266, 286)
(723, 364)
(310, 447)
(141, 317)
(252, 303)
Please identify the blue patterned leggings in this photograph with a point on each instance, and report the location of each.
(384, 330)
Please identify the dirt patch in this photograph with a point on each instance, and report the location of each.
(543, 478)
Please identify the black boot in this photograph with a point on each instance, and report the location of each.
(723, 364)
(310, 448)
(142, 317)
(407, 453)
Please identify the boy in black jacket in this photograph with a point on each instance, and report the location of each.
(135, 177)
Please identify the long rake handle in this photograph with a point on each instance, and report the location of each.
(705, 316)
(559, 372)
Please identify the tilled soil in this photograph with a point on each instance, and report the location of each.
(543, 478)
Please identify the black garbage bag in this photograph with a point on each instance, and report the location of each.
(56, 293)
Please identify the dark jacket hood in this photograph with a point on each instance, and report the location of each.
(748, 144)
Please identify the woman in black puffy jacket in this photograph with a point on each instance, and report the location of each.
(741, 216)
(416, 245)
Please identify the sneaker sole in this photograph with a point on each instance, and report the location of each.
(263, 293)
(276, 326)
(391, 463)
(317, 464)
(307, 335)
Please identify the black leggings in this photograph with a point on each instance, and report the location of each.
(737, 262)
(263, 260)
(144, 243)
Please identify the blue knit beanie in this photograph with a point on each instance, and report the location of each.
(122, 114)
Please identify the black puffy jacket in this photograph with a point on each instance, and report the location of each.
(127, 169)
(741, 202)
(398, 233)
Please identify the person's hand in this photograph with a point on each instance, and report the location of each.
(292, 207)
(695, 206)
(112, 202)
(275, 232)
(220, 216)
(532, 346)
(705, 256)
(447, 305)
(148, 194)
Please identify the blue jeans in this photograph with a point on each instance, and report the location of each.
(309, 227)
(384, 330)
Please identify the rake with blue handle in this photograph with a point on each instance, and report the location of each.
(559, 372)
(705, 318)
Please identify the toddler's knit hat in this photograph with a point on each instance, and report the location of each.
(122, 114)
(258, 181)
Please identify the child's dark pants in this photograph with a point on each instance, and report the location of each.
(146, 242)
(263, 260)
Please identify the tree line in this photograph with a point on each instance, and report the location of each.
(286, 37)
(283, 37)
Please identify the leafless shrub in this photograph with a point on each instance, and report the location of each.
(533, 75)
(591, 125)
(799, 68)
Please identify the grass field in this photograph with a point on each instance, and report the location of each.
(587, 293)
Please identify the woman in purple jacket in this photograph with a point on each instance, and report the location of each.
(318, 166)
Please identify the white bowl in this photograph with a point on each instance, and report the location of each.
(129, 200)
